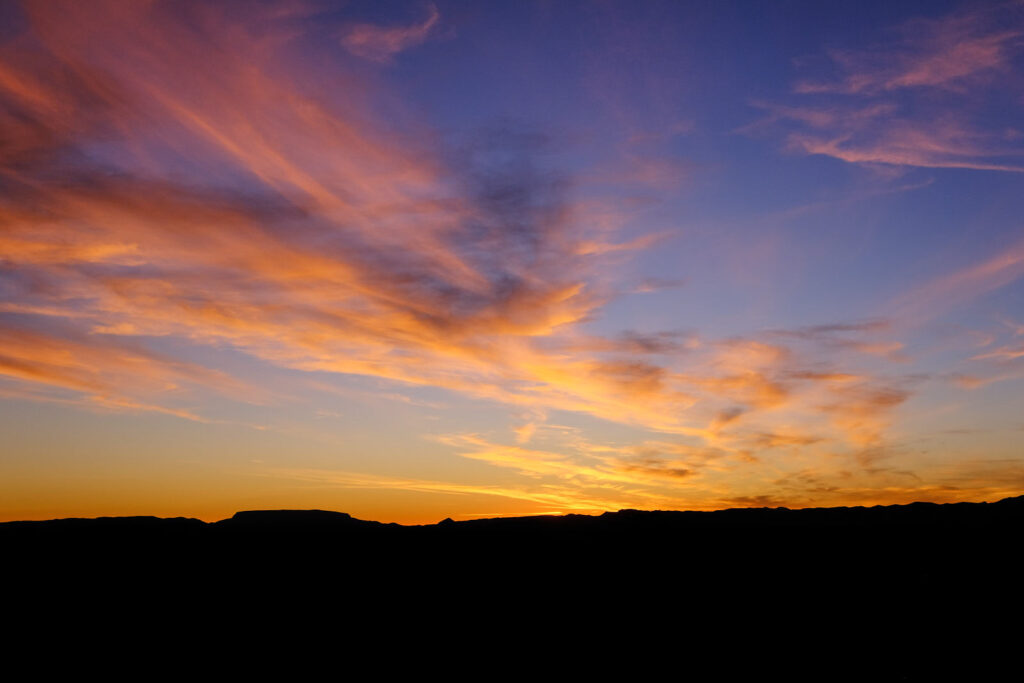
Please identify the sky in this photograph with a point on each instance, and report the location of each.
(428, 259)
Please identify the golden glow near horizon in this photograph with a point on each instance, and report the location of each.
(407, 263)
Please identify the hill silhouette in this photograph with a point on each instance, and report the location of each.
(930, 540)
(881, 520)
(890, 592)
(635, 520)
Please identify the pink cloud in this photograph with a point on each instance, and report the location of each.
(902, 143)
(914, 100)
(947, 52)
(382, 43)
(349, 254)
(1003, 353)
(961, 286)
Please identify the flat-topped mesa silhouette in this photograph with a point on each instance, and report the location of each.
(879, 518)
(923, 550)
(296, 521)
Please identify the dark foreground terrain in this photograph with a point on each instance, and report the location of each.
(906, 592)
(919, 545)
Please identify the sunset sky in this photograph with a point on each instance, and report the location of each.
(416, 260)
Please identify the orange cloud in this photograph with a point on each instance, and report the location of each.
(590, 469)
(116, 377)
(863, 411)
(660, 475)
(559, 499)
(314, 238)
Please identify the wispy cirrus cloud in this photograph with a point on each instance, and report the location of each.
(382, 43)
(949, 52)
(961, 286)
(1003, 353)
(341, 250)
(989, 480)
(551, 498)
(72, 368)
(949, 143)
(174, 180)
(929, 94)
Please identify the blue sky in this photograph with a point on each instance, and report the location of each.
(424, 259)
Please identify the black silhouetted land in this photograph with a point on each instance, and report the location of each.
(919, 542)
(866, 593)
(882, 521)
(667, 526)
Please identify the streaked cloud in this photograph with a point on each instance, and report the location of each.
(929, 94)
(73, 368)
(958, 288)
(345, 250)
(382, 43)
(177, 188)
(558, 499)
(1003, 353)
(906, 142)
(947, 52)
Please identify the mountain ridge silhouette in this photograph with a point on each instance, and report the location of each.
(906, 581)
(298, 519)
